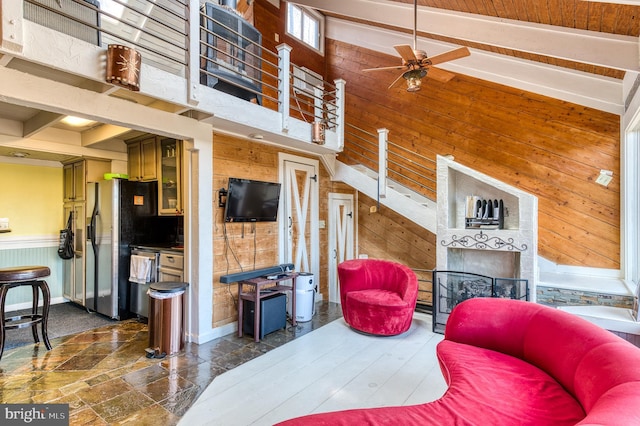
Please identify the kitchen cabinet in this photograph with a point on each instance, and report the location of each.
(74, 268)
(143, 159)
(171, 266)
(170, 185)
(77, 173)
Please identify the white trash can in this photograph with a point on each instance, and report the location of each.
(305, 297)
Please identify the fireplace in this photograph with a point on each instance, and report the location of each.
(482, 260)
(453, 287)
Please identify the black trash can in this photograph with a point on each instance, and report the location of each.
(166, 317)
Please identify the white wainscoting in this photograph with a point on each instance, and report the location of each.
(30, 250)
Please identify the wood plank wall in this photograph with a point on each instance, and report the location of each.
(550, 148)
(245, 247)
(270, 21)
(385, 234)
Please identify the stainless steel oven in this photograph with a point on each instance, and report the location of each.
(138, 291)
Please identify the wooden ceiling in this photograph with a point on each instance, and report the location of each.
(606, 17)
(620, 19)
(603, 17)
(611, 20)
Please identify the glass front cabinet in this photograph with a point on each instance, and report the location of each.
(170, 185)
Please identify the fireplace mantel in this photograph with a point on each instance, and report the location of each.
(510, 252)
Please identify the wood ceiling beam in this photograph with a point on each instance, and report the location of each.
(39, 122)
(590, 47)
(102, 133)
(594, 91)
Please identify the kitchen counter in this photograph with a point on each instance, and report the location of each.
(159, 247)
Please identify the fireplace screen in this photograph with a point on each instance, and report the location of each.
(452, 287)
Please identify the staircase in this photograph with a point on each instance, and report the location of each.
(415, 207)
(369, 154)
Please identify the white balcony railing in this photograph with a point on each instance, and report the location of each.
(226, 55)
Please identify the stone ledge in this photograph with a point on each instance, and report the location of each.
(587, 283)
(555, 296)
(607, 317)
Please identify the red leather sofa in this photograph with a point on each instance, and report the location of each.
(377, 296)
(510, 362)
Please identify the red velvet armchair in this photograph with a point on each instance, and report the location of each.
(377, 296)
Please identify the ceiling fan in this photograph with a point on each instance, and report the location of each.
(416, 63)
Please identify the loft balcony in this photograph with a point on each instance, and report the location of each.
(204, 62)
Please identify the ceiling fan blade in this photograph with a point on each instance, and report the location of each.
(395, 81)
(406, 53)
(448, 56)
(398, 67)
(440, 75)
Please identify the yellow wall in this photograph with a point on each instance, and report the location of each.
(31, 197)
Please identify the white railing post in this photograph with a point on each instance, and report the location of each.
(284, 77)
(318, 104)
(340, 113)
(193, 61)
(11, 26)
(382, 162)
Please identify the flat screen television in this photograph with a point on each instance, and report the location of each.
(252, 201)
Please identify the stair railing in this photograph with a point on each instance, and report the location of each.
(391, 161)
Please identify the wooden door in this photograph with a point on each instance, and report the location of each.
(341, 238)
(299, 236)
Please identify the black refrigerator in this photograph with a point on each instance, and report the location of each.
(119, 213)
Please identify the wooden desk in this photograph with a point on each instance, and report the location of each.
(251, 290)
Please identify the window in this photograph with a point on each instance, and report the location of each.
(305, 25)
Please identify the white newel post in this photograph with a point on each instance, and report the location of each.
(193, 78)
(340, 113)
(284, 76)
(318, 104)
(383, 135)
(11, 12)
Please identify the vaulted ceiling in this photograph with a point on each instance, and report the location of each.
(577, 50)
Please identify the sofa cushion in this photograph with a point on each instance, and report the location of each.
(378, 298)
(501, 389)
(485, 388)
(378, 311)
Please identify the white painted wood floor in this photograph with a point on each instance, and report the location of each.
(332, 368)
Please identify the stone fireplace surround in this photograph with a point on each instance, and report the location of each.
(509, 253)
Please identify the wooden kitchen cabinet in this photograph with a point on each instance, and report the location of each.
(143, 159)
(77, 173)
(74, 268)
(171, 266)
(170, 177)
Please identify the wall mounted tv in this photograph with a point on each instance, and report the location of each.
(252, 201)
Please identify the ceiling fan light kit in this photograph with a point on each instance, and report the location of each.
(414, 79)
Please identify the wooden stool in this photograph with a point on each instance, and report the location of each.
(16, 277)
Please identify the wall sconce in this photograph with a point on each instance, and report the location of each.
(123, 66)
(317, 132)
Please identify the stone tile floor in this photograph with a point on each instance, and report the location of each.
(106, 378)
